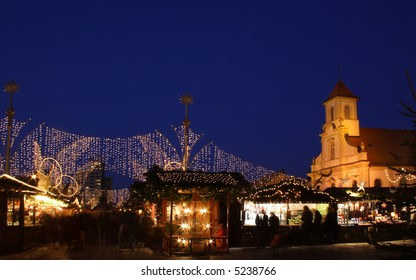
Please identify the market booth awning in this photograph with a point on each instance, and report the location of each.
(192, 179)
(12, 184)
(293, 190)
(400, 195)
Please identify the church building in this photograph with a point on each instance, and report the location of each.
(353, 156)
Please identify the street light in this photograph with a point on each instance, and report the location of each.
(10, 88)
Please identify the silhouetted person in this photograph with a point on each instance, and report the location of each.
(274, 223)
(331, 225)
(306, 227)
(317, 227)
(262, 222)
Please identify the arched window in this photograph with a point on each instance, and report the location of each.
(377, 183)
(332, 114)
(332, 150)
(347, 112)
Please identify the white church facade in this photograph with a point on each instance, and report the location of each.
(353, 156)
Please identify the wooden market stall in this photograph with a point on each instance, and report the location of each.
(285, 199)
(23, 208)
(196, 209)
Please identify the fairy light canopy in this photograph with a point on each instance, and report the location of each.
(130, 157)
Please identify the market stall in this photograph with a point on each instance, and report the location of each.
(24, 211)
(286, 200)
(373, 205)
(195, 209)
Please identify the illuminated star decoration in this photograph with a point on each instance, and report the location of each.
(383, 205)
(361, 187)
(343, 181)
(11, 87)
(186, 99)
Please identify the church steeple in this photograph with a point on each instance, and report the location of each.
(341, 90)
(341, 108)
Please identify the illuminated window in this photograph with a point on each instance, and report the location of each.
(13, 211)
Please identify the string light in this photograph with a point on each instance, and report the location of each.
(405, 173)
(129, 157)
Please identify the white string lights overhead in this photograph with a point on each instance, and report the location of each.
(129, 157)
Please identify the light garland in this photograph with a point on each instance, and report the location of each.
(292, 194)
(407, 176)
(129, 157)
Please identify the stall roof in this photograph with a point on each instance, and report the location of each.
(292, 191)
(395, 194)
(11, 184)
(197, 178)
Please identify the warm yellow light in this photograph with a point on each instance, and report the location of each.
(185, 226)
(187, 211)
(203, 211)
(47, 200)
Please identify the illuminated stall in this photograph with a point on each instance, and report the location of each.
(286, 200)
(23, 209)
(196, 209)
(374, 205)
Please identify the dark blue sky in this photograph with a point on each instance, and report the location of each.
(258, 70)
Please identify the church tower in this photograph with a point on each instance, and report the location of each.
(341, 121)
(356, 157)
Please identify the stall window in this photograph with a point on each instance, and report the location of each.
(13, 211)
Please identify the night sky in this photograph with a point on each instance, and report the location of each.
(259, 71)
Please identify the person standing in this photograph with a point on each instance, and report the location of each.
(274, 223)
(262, 223)
(331, 225)
(317, 227)
(306, 226)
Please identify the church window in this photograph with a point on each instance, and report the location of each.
(332, 114)
(332, 150)
(377, 183)
(347, 112)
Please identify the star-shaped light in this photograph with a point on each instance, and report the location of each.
(361, 187)
(186, 99)
(11, 87)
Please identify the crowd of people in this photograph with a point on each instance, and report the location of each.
(313, 230)
(110, 227)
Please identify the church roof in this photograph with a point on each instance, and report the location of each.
(341, 90)
(388, 147)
